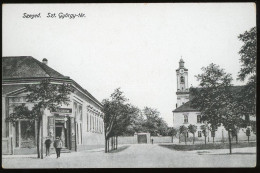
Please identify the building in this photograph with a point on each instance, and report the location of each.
(185, 115)
(80, 124)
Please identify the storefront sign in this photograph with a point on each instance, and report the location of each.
(63, 110)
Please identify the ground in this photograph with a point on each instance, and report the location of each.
(138, 156)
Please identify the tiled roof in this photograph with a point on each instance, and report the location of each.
(186, 107)
(26, 66)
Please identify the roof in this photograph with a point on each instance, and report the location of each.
(186, 107)
(26, 66)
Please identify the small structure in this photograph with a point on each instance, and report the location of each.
(142, 138)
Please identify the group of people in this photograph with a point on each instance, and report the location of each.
(57, 145)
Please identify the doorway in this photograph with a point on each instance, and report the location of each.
(61, 132)
(142, 138)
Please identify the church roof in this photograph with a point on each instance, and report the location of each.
(26, 67)
(186, 107)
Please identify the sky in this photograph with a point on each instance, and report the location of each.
(136, 47)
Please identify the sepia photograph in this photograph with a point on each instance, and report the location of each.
(129, 85)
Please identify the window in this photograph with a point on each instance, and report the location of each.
(186, 119)
(80, 112)
(25, 134)
(198, 118)
(78, 116)
(182, 79)
(199, 134)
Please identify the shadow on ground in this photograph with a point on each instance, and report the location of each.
(119, 149)
(235, 154)
(208, 146)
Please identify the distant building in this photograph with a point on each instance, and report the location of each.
(185, 115)
(80, 124)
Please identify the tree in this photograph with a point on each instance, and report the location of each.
(45, 95)
(213, 128)
(172, 132)
(117, 116)
(184, 130)
(248, 54)
(153, 123)
(204, 132)
(247, 96)
(192, 129)
(215, 99)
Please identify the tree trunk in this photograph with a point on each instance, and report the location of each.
(108, 145)
(236, 139)
(213, 140)
(193, 138)
(248, 139)
(179, 138)
(116, 142)
(41, 138)
(205, 140)
(105, 145)
(229, 139)
(114, 146)
(185, 139)
(172, 138)
(38, 137)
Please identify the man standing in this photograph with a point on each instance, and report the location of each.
(57, 145)
(47, 145)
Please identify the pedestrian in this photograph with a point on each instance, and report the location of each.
(47, 145)
(152, 141)
(57, 145)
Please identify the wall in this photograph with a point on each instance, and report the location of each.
(127, 140)
(161, 139)
(178, 119)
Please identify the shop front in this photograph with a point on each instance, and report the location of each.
(61, 124)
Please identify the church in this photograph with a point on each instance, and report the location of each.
(185, 115)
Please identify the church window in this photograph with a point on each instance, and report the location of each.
(199, 133)
(185, 118)
(182, 79)
(198, 118)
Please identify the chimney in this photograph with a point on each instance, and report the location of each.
(45, 61)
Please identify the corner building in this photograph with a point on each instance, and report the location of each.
(80, 124)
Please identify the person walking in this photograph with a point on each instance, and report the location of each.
(47, 145)
(57, 145)
(152, 141)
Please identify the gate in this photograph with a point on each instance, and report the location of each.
(142, 139)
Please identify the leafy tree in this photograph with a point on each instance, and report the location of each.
(45, 95)
(192, 129)
(204, 132)
(172, 132)
(247, 96)
(213, 128)
(153, 123)
(248, 54)
(184, 130)
(136, 122)
(215, 99)
(117, 118)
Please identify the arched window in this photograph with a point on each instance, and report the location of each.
(198, 118)
(182, 79)
(186, 119)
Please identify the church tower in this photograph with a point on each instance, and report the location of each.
(182, 84)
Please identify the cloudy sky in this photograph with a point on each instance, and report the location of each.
(133, 46)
